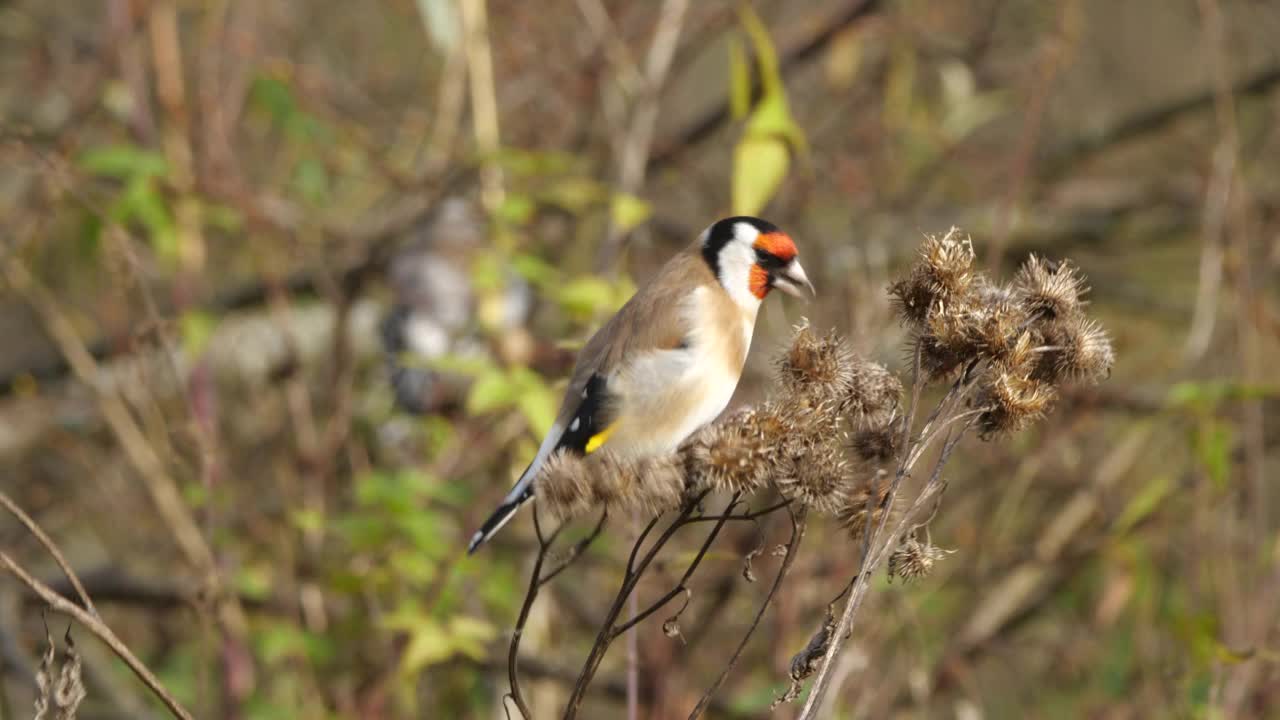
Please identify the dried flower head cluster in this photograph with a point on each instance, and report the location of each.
(1026, 339)
(913, 560)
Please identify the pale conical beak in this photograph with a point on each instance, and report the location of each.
(793, 281)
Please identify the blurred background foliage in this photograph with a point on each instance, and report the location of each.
(292, 288)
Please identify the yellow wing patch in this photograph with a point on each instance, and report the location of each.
(595, 441)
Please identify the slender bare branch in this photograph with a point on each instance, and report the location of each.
(93, 624)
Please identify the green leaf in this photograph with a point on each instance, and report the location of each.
(1214, 442)
(536, 270)
(143, 202)
(586, 296)
(516, 209)
(536, 401)
(760, 165)
(124, 161)
(470, 635)
(413, 567)
(308, 520)
(628, 211)
(739, 79)
(766, 57)
(1206, 395)
(1145, 502)
(311, 178)
(493, 390)
(429, 644)
(274, 96)
(465, 365)
(196, 327)
(254, 581)
(575, 194)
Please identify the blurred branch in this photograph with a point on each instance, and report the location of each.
(1051, 62)
(702, 127)
(51, 548)
(99, 629)
(113, 585)
(1063, 159)
(644, 116)
(484, 101)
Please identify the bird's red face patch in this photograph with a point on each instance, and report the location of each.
(777, 244)
(758, 281)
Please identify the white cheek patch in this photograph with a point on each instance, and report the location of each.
(736, 260)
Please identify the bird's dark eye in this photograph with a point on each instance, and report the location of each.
(768, 260)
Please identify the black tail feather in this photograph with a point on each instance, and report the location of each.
(499, 518)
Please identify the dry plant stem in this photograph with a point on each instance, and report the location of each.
(883, 545)
(100, 630)
(876, 538)
(53, 550)
(797, 534)
(536, 580)
(635, 570)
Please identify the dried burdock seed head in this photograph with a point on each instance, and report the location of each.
(730, 456)
(937, 361)
(912, 297)
(949, 261)
(818, 478)
(1078, 350)
(866, 504)
(815, 365)
(997, 327)
(1048, 289)
(877, 443)
(913, 559)
(648, 486)
(943, 272)
(873, 394)
(1011, 401)
(564, 486)
(569, 485)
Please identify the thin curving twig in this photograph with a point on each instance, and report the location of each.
(797, 534)
(93, 624)
(53, 550)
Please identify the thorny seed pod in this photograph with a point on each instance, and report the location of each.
(944, 271)
(913, 559)
(997, 326)
(649, 486)
(912, 296)
(866, 504)
(873, 394)
(1078, 350)
(877, 443)
(1049, 289)
(1011, 401)
(815, 365)
(569, 486)
(731, 455)
(937, 361)
(949, 260)
(564, 487)
(818, 478)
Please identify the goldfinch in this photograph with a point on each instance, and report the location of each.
(668, 362)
